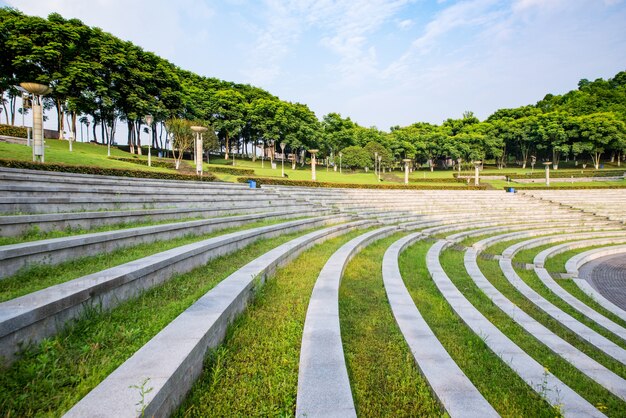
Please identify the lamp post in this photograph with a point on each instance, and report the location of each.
(340, 155)
(37, 90)
(406, 170)
(375, 160)
(87, 123)
(110, 133)
(476, 166)
(380, 158)
(24, 98)
(547, 164)
(148, 118)
(533, 160)
(313, 152)
(282, 160)
(198, 150)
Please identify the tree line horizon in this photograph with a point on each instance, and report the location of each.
(101, 80)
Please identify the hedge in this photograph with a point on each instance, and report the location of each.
(308, 183)
(616, 186)
(101, 171)
(557, 174)
(436, 180)
(232, 170)
(15, 131)
(155, 162)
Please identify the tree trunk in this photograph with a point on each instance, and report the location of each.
(138, 137)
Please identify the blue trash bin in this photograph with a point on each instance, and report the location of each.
(252, 184)
(511, 190)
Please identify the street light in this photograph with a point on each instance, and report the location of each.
(313, 152)
(375, 159)
(282, 160)
(547, 164)
(340, 155)
(380, 157)
(87, 123)
(198, 150)
(406, 170)
(476, 165)
(37, 90)
(148, 118)
(533, 160)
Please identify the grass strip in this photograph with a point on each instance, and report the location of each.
(500, 385)
(384, 378)
(491, 270)
(608, 403)
(531, 279)
(35, 234)
(39, 276)
(53, 376)
(254, 372)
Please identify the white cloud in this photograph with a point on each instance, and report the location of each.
(404, 24)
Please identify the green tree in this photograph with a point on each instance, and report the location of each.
(355, 156)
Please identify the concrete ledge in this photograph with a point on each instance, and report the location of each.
(15, 225)
(455, 392)
(575, 263)
(57, 250)
(173, 359)
(40, 314)
(323, 382)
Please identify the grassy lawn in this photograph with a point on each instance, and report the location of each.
(568, 374)
(384, 378)
(40, 276)
(53, 376)
(255, 371)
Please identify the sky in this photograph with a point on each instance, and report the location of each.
(380, 62)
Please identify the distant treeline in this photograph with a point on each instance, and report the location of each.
(99, 80)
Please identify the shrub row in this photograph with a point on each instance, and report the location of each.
(538, 174)
(232, 170)
(102, 171)
(613, 186)
(15, 131)
(155, 162)
(436, 180)
(309, 183)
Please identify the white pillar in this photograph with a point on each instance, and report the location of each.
(313, 177)
(199, 153)
(38, 141)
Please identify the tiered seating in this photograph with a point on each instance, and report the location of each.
(474, 222)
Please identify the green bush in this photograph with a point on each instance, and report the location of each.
(15, 131)
(101, 171)
(556, 174)
(436, 180)
(308, 183)
(155, 162)
(572, 187)
(232, 170)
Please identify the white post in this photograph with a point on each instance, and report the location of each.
(340, 155)
(476, 165)
(110, 129)
(38, 141)
(406, 170)
(313, 176)
(547, 164)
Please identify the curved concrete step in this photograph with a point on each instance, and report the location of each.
(173, 359)
(569, 353)
(533, 373)
(323, 383)
(40, 314)
(455, 392)
(57, 250)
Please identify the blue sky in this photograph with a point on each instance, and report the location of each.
(380, 62)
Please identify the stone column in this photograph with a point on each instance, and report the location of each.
(406, 170)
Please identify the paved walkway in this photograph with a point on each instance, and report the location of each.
(608, 276)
